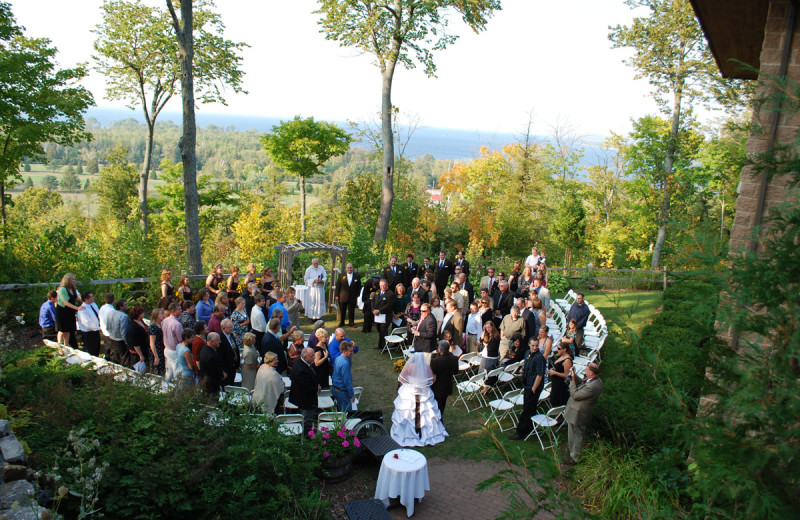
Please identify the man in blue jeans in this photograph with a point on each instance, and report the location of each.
(342, 382)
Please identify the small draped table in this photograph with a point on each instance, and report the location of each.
(404, 477)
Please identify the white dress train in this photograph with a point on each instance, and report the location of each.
(404, 430)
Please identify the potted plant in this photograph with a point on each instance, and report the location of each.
(335, 448)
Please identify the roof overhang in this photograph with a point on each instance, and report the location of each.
(735, 33)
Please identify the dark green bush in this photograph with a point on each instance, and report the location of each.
(165, 460)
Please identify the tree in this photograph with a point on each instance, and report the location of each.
(138, 55)
(51, 182)
(188, 143)
(116, 185)
(87, 185)
(79, 169)
(568, 227)
(28, 182)
(39, 104)
(397, 31)
(70, 181)
(301, 147)
(92, 167)
(671, 52)
(27, 167)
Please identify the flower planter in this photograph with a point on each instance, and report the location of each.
(337, 469)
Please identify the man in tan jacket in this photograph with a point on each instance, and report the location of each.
(583, 395)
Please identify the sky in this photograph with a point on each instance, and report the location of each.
(550, 59)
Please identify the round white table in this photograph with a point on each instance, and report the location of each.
(301, 293)
(403, 475)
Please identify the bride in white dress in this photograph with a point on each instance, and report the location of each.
(416, 420)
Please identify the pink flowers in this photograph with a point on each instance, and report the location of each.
(326, 454)
(326, 435)
(345, 444)
(356, 442)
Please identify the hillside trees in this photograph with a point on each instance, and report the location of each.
(40, 103)
(138, 55)
(671, 52)
(302, 147)
(401, 31)
(116, 185)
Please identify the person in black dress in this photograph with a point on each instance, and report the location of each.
(67, 305)
(138, 338)
(167, 288)
(322, 360)
(559, 389)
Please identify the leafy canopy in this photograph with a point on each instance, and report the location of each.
(302, 146)
(39, 103)
(397, 30)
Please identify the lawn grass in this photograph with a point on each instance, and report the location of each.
(468, 438)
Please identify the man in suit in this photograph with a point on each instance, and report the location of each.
(272, 343)
(426, 267)
(532, 384)
(410, 270)
(228, 351)
(383, 303)
(582, 396)
(426, 332)
(456, 273)
(442, 271)
(304, 388)
(466, 286)
(393, 274)
(454, 323)
(212, 373)
(443, 366)
(462, 262)
(490, 281)
(503, 301)
(346, 291)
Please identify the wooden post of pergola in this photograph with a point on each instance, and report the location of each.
(288, 253)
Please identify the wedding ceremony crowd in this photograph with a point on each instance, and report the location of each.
(244, 330)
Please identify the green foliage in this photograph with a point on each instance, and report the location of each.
(27, 167)
(92, 167)
(39, 104)
(116, 185)
(164, 457)
(557, 283)
(28, 182)
(569, 225)
(303, 146)
(70, 182)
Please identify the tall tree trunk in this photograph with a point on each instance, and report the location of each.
(188, 141)
(387, 175)
(302, 207)
(669, 160)
(3, 208)
(145, 175)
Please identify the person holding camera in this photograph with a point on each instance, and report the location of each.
(583, 395)
(532, 384)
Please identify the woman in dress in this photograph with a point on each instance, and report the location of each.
(322, 360)
(232, 285)
(157, 365)
(525, 282)
(251, 274)
(437, 310)
(213, 281)
(240, 320)
(416, 420)
(184, 290)
(315, 279)
(490, 347)
(559, 389)
(541, 274)
(250, 361)
(269, 385)
(205, 306)
(68, 303)
(400, 304)
(266, 281)
(293, 306)
(185, 366)
(513, 277)
(413, 310)
(167, 288)
(138, 338)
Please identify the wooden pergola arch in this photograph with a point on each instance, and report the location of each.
(288, 253)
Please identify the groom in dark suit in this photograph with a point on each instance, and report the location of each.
(425, 335)
(346, 291)
(442, 271)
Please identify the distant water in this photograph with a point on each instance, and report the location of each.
(442, 143)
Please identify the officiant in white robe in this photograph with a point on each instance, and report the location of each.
(315, 279)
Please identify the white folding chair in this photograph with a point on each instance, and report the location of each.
(470, 388)
(547, 424)
(290, 424)
(495, 372)
(502, 408)
(397, 339)
(236, 395)
(325, 400)
(333, 420)
(464, 365)
(507, 376)
(357, 391)
(288, 406)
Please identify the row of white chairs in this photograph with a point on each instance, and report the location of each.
(292, 424)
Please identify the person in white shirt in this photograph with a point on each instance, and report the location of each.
(89, 324)
(315, 279)
(105, 310)
(258, 322)
(474, 327)
(533, 259)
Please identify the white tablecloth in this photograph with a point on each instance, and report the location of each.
(405, 477)
(302, 292)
